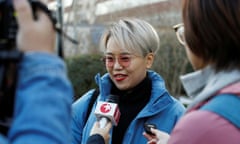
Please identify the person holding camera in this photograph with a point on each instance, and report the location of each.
(42, 108)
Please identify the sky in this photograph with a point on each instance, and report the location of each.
(110, 5)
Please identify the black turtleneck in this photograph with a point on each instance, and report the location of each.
(131, 102)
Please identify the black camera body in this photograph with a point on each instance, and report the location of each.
(8, 26)
(10, 57)
(8, 23)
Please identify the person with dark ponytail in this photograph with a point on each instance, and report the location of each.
(210, 33)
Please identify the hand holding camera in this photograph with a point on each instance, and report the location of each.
(34, 34)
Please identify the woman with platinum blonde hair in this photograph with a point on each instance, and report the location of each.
(129, 48)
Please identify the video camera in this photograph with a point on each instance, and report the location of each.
(10, 56)
(8, 24)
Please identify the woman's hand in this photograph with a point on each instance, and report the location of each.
(159, 137)
(104, 132)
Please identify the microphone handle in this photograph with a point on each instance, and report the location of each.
(103, 121)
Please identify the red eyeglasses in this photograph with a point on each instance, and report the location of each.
(124, 60)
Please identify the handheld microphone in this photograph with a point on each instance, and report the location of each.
(108, 111)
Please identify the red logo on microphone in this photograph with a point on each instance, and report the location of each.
(105, 108)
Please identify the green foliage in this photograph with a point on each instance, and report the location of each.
(82, 70)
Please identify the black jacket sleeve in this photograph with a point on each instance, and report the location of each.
(95, 139)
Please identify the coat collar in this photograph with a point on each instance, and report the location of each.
(159, 99)
(205, 83)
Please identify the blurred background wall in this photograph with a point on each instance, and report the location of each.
(85, 20)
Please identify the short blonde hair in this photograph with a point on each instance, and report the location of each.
(136, 35)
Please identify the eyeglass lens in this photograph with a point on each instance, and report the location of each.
(180, 35)
(123, 60)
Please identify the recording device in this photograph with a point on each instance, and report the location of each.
(10, 55)
(8, 23)
(9, 27)
(148, 126)
(108, 111)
